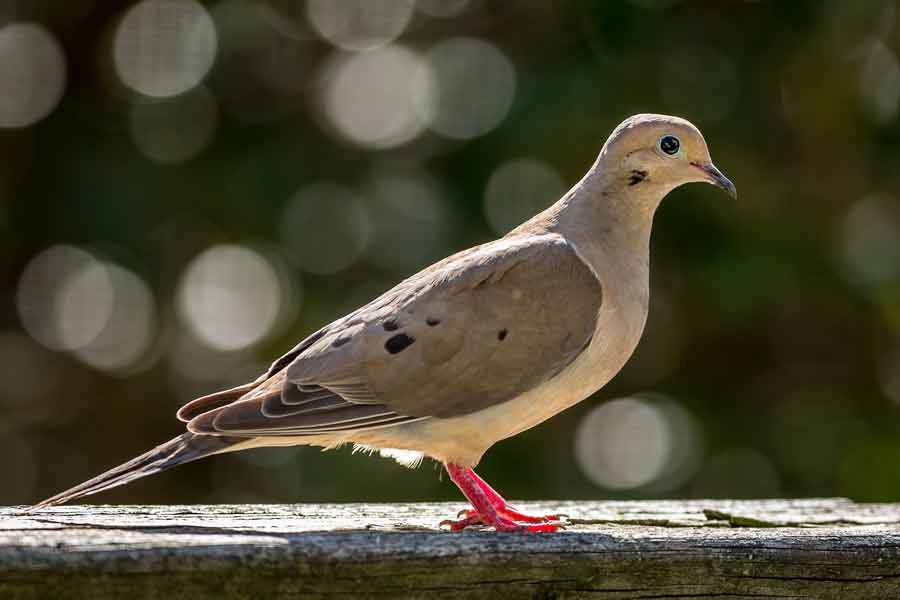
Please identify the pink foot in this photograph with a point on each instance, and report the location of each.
(498, 523)
(490, 508)
(504, 508)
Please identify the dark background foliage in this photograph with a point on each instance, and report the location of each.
(167, 229)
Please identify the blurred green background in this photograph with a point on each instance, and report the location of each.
(187, 189)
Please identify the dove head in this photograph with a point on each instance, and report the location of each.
(648, 155)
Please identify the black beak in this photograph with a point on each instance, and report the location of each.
(715, 177)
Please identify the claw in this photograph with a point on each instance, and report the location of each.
(460, 524)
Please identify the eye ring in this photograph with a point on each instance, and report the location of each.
(669, 144)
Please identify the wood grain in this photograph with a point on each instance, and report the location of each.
(830, 548)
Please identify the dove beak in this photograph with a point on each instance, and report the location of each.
(714, 176)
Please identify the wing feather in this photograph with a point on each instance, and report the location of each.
(474, 330)
(477, 329)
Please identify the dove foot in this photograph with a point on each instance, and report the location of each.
(491, 509)
(499, 524)
(503, 507)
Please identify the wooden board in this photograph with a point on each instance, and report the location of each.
(829, 548)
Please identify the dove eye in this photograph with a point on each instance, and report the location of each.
(669, 144)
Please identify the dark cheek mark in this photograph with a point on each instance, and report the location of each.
(390, 325)
(340, 342)
(501, 335)
(637, 177)
(431, 321)
(398, 343)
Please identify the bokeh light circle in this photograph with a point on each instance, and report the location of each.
(164, 47)
(325, 228)
(68, 300)
(411, 221)
(368, 97)
(130, 326)
(64, 298)
(84, 305)
(623, 444)
(465, 89)
(518, 190)
(230, 297)
(871, 241)
(32, 74)
(176, 130)
(360, 24)
(879, 82)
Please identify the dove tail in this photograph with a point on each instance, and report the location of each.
(184, 448)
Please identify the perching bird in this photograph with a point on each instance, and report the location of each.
(474, 349)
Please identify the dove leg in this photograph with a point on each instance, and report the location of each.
(502, 507)
(483, 502)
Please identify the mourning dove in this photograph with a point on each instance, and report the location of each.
(474, 349)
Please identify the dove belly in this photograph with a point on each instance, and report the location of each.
(464, 439)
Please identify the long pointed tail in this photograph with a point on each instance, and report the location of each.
(184, 448)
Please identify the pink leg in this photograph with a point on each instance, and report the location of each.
(483, 501)
(502, 507)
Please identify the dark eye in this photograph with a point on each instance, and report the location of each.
(669, 144)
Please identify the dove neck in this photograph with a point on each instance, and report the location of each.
(608, 221)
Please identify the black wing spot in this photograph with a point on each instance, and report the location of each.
(340, 341)
(390, 325)
(637, 176)
(431, 321)
(398, 343)
(501, 335)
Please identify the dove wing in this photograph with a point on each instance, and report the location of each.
(476, 329)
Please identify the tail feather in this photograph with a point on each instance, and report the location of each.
(184, 448)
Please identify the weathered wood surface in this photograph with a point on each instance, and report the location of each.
(673, 549)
